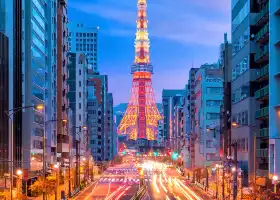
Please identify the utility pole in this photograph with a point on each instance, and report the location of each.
(234, 145)
(223, 184)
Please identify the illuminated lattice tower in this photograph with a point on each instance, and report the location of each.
(141, 117)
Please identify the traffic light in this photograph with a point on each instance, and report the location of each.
(155, 153)
(175, 155)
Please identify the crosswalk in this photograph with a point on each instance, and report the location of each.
(123, 180)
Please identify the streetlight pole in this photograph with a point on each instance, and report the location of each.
(217, 181)
(234, 145)
(10, 113)
(44, 153)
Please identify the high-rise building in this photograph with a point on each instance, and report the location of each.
(191, 110)
(4, 103)
(209, 95)
(51, 83)
(63, 140)
(111, 132)
(34, 84)
(77, 81)
(261, 89)
(274, 100)
(178, 126)
(98, 116)
(245, 61)
(2, 16)
(171, 99)
(84, 39)
(77, 98)
(225, 123)
(186, 130)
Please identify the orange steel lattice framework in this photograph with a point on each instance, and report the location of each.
(142, 115)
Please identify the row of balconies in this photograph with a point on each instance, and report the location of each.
(262, 153)
(261, 73)
(262, 93)
(262, 54)
(262, 113)
(264, 133)
(263, 15)
(262, 35)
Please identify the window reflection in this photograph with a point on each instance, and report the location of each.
(240, 68)
(243, 13)
(239, 43)
(241, 93)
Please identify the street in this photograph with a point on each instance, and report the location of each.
(121, 182)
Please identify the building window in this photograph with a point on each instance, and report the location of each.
(80, 106)
(210, 144)
(212, 116)
(80, 72)
(80, 117)
(80, 95)
(214, 90)
(212, 103)
(80, 83)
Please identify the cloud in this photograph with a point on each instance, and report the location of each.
(181, 21)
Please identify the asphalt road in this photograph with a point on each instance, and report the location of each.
(121, 182)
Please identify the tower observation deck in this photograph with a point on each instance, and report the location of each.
(141, 117)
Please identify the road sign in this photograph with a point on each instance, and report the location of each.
(25, 174)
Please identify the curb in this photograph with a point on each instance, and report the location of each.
(75, 195)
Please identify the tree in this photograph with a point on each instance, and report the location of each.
(37, 188)
(16, 195)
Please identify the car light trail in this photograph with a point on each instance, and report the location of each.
(108, 190)
(189, 190)
(121, 194)
(160, 181)
(181, 189)
(165, 177)
(114, 193)
(155, 183)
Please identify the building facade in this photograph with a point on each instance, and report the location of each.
(63, 138)
(172, 101)
(97, 116)
(84, 39)
(77, 97)
(274, 100)
(208, 100)
(34, 85)
(225, 122)
(4, 104)
(2, 16)
(191, 110)
(111, 133)
(244, 84)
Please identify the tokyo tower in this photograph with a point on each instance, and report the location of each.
(141, 117)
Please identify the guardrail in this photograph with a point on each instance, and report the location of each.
(140, 193)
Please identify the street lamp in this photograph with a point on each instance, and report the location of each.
(276, 182)
(10, 113)
(19, 172)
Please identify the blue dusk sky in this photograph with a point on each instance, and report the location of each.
(182, 33)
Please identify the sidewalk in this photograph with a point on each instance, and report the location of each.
(52, 197)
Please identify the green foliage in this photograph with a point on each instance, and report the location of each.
(37, 188)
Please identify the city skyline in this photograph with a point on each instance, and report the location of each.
(182, 47)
